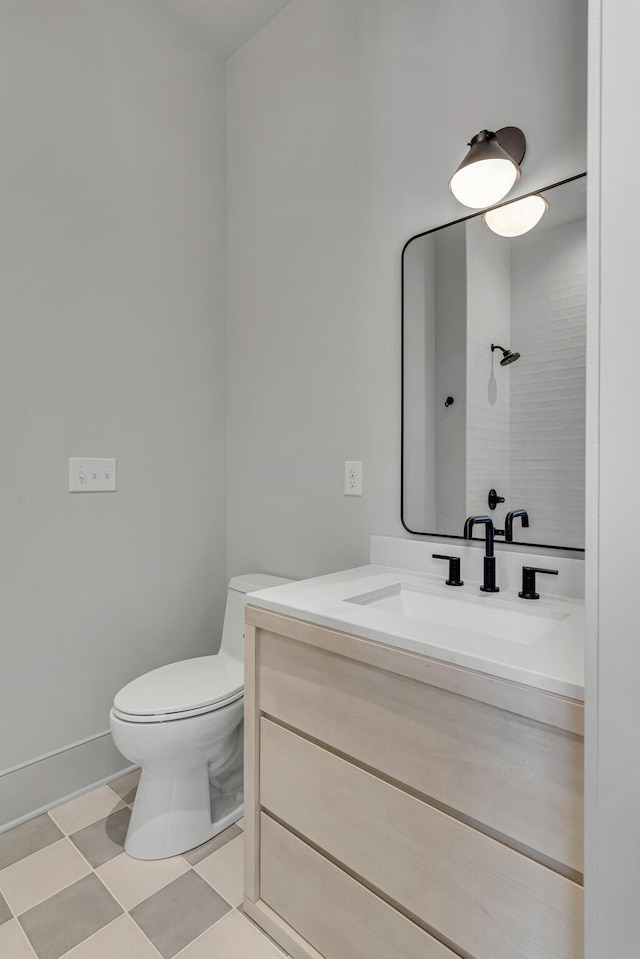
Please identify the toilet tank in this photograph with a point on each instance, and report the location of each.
(233, 629)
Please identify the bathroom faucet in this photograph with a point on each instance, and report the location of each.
(508, 523)
(489, 585)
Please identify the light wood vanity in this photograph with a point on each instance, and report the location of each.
(399, 807)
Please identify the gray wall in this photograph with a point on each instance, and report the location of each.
(112, 298)
(347, 118)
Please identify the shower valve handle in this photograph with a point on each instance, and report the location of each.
(494, 499)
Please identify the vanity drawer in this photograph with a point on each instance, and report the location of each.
(519, 779)
(334, 913)
(479, 895)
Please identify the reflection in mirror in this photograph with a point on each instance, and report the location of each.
(474, 419)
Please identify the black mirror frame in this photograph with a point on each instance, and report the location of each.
(463, 219)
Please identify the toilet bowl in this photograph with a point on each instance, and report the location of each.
(183, 725)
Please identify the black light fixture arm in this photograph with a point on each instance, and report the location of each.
(513, 141)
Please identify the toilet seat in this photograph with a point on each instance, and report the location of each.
(181, 690)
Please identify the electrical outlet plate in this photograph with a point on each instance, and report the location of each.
(90, 475)
(353, 478)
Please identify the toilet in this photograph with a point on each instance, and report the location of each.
(183, 725)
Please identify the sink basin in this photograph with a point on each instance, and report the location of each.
(534, 643)
(495, 615)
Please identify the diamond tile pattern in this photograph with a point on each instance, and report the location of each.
(127, 787)
(68, 918)
(234, 937)
(5, 912)
(13, 942)
(121, 939)
(224, 871)
(196, 855)
(26, 839)
(133, 880)
(41, 875)
(69, 891)
(88, 808)
(179, 913)
(103, 840)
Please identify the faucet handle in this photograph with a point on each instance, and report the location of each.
(454, 569)
(529, 581)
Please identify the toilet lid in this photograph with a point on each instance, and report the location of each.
(189, 687)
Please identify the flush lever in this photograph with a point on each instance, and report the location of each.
(454, 569)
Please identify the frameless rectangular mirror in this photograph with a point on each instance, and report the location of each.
(485, 431)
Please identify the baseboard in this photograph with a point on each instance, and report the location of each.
(33, 788)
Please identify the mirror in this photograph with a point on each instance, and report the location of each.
(471, 425)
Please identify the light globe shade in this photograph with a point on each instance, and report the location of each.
(488, 171)
(518, 217)
(484, 182)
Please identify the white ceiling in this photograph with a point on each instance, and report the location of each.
(226, 24)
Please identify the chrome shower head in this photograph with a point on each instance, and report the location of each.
(507, 356)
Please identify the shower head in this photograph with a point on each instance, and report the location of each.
(507, 356)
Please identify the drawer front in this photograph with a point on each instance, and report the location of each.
(477, 894)
(521, 779)
(332, 911)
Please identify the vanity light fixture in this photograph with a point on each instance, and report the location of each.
(490, 168)
(518, 217)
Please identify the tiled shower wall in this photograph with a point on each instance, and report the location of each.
(548, 304)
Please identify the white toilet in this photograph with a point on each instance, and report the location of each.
(182, 724)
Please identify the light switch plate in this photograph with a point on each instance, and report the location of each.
(90, 475)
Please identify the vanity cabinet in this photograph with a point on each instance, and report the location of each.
(400, 807)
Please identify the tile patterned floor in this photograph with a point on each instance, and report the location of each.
(68, 889)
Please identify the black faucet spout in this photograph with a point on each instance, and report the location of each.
(489, 583)
(508, 523)
(485, 521)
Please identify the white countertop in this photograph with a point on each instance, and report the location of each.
(555, 662)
